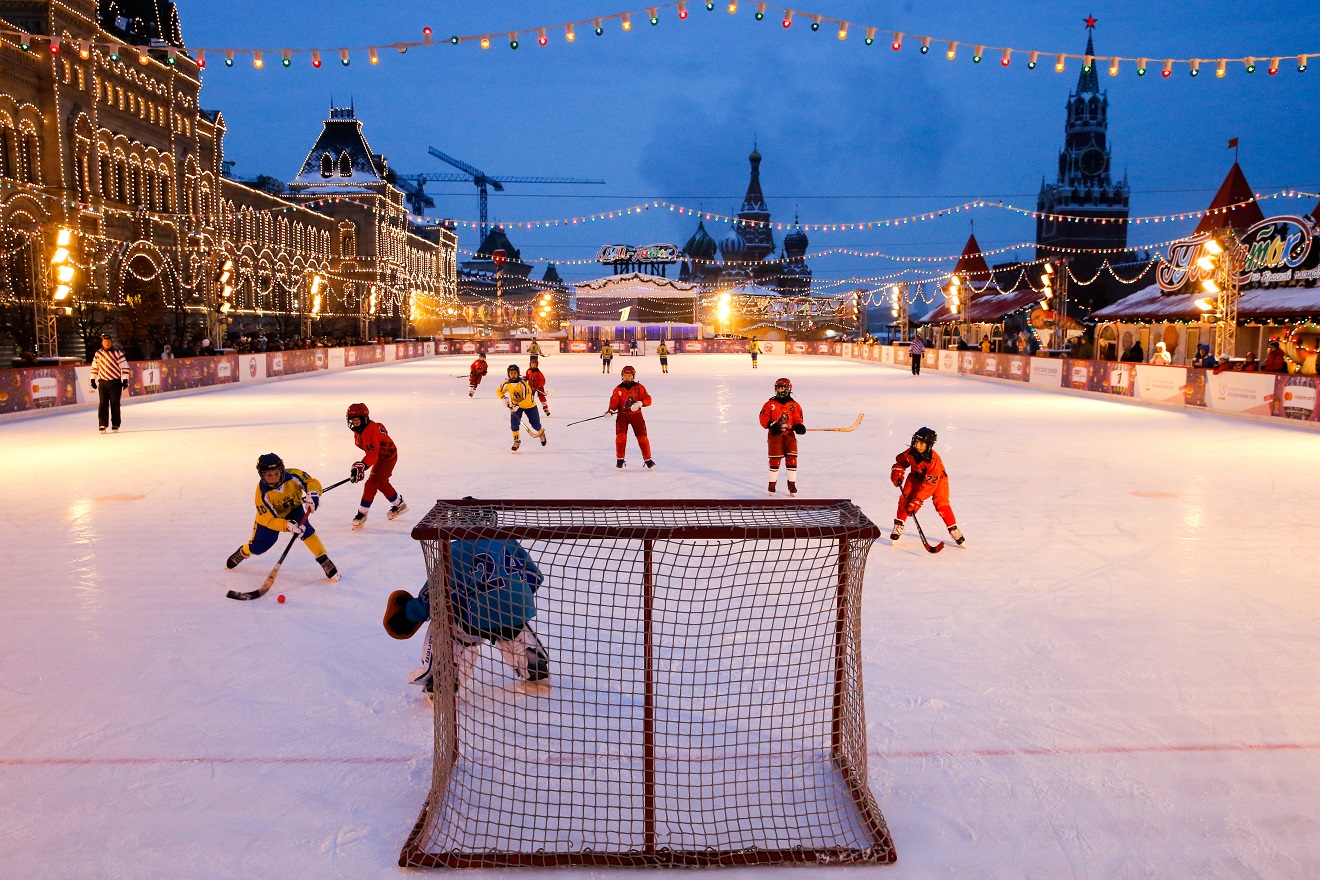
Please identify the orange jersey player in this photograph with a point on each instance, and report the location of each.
(379, 454)
(781, 416)
(475, 372)
(926, 478)
(536, 379)
(626, 406)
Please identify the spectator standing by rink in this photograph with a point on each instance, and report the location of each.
(1135, 354)
(1161, 357)
(109, 379)
(1204, 358)
(916, 351)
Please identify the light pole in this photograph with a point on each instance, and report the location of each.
(1221, 263)
(62, 268)
(898, 309)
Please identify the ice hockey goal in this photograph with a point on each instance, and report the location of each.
(705, 702)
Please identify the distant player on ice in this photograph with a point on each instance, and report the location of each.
(536, 379)
(626, 406)
(606, 357)
(285, 500)
(927, 479)
(632, 347)
(492, 595)
(475, 372)
(663, 351)
(380, 455)
(781, 416)
(519, 397)
(754, 349)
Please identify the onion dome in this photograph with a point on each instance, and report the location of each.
(733, 245)
(795, 243)
(700, 246)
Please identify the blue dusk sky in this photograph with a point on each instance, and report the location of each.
(849, 132)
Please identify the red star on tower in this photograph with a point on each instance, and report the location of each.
(1090, 21)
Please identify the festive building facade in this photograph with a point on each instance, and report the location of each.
(106, 152)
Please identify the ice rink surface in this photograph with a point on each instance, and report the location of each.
(1116, 677)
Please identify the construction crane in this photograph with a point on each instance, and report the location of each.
(414, 191)
(482, 180)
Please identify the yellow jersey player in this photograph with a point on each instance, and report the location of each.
(520, 398)
(285, 500)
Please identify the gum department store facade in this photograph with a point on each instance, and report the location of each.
(109, 141)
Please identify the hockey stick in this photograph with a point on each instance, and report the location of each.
(270, 578)
(274, 572)
(592, 419)
(929, 549)
(852, 427)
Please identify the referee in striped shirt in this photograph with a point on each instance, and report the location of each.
(109, 378)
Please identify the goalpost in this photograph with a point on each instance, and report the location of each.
(705, 701)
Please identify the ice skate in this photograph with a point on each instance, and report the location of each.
(898, 530)
(101, 429)
(771, 488)
(328, 567)
(234, 558)
(359, 520)
(401, 507)
(517, 441)
(792, 488)
(470, 391)
(542, 436)
(649, 463)
(546, 410)
(620, 463)
(957, 535)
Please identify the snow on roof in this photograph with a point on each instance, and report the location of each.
(987, 307)
(1153, 304)
(341, 142)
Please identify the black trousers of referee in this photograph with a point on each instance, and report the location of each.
(108, 412)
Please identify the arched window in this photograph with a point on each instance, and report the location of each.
(327, 165)
(31, 158)
(345, 165)
(347, 239)
(7, 144)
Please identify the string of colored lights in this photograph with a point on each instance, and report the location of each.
(786, 16)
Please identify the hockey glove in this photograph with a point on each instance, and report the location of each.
(358, 472)
(293, 526)
(635, 406)
(799, 429)
(310, 503)
(776, 428)
(913, 506)
(896, 477)
(93, 384)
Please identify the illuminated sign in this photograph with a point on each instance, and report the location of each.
(625, 253)
(1278, 251)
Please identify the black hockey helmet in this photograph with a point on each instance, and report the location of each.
(925, 435)
(513, 370)
(269, 461)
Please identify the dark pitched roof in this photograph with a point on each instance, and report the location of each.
(1233, 191)
(141, 22)
(341, 136)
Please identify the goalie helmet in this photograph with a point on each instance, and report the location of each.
(269, 461)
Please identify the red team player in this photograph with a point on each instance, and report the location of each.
(536, 379)
(475, 372)
(927, 479)
(781, 416)
(380, 455)
(626, 406)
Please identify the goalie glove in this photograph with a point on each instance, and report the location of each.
(398, 623)
(358, 472)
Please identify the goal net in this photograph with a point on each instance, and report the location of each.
(704, 703)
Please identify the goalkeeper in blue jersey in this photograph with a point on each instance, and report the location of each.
(493, 599)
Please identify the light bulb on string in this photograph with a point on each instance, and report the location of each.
(316, 58)
(760, 11)
(229, 58)
(843, 30)
(733, 7)
(952, 52)
(1250, 64)
(1301, 63)
(1059, 63)
(373, 55)
(1274, 66)
(1005, 59)
(1196, 67)
(815, 22)
(654, 12)
(343, 57)
(201, 60)
(682, 10)
(1113, 67)
(485, 42)
(1141, 66)
(897, 43)
(788, 18)
(600, 31)
(257, 61)
(626, 20)
(541, 38)
(1221, 68)
(1031, 60)
(513, 40)
(569, 34)
(285, 58)
(1168, 68)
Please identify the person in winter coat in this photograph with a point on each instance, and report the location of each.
(1161, 357)
(1274, 360)
(916, 351)
(1134, 355)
